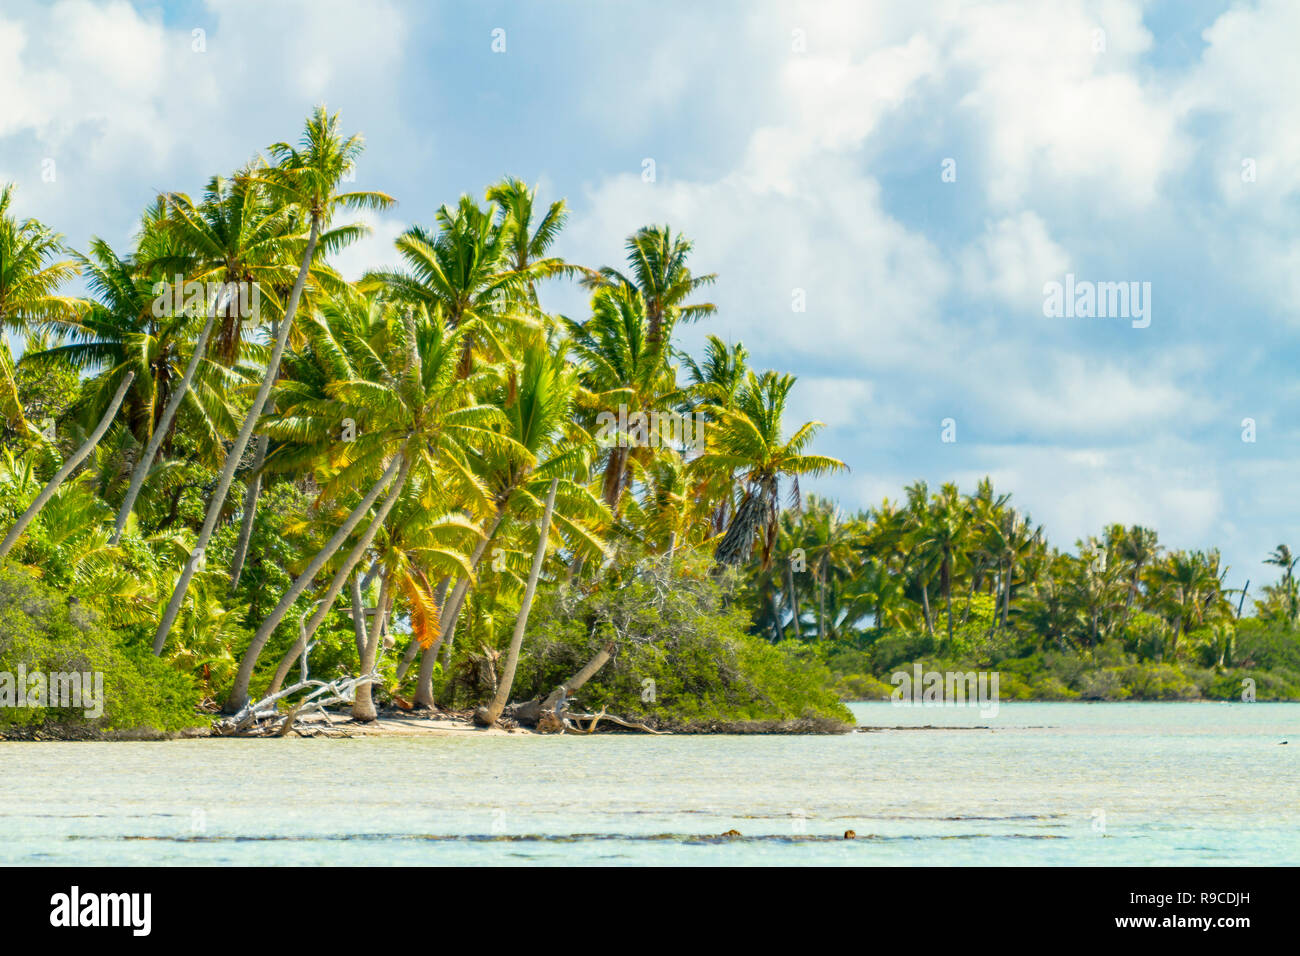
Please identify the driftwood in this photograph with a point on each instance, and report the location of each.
(596, 718)
(263, 718)
(561, 719)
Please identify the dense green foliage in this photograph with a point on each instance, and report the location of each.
(964, 582)
(197, 482)
(43, 631)
(685, 656)
(382, 504)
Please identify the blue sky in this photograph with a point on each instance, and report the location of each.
(801, 146)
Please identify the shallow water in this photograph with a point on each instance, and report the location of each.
(1114, 784)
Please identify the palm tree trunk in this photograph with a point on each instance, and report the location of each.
(1006, 593)
(358, 616)
(251, 495)
(533, 709)
(487, 716)
(587, 672)
(821, 601)
(340, 578)
(947, 592)
(160, 430)
(613, 483)
(791, 600)
(363, 705)
(241, 442)
(68, 468)
(970, 599)
(239, 692)
(450, 614)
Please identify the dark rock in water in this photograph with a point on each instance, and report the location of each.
(732, 833)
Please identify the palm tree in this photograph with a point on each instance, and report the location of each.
(1137, 547)
(31, 272)
(30, 275)
(656, 260)
(1011, 538)
(68, 467)
(526, 243)
(127, 328)
(880, 593)
(536, 395)
(619, 370)
(420, 544)
(716, 382)
(238, 236)
(749, 440)
(306, 180)
(1183, 582)
(1282, 558)
(943, 535)
(487, 716)
(419, 412)
(831, 551)
(465, 269)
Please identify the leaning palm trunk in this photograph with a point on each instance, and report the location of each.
(947, 595)
(241, 443)
(793, 602)
(251, 495)
(487, 716)
(821, 602)
(363, 705)
(1006, 592)
(531, 711)
(239, 692)
(358, 616)
(450, 614)
(68, 467)
(340, 578)
(160, 430)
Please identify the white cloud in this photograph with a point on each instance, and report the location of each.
(1055, 111)
(1012, 260)
(373, 251)
(1075, 492)
(1246, 81)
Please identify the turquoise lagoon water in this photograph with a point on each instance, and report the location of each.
(1092, 784)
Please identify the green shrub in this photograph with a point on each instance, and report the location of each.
(41, 630)
(683, 656)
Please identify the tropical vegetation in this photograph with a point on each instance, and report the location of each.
(407, 483)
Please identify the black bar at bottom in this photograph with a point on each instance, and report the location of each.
(270, 905)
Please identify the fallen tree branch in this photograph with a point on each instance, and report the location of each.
(263, 718)
(629, 724)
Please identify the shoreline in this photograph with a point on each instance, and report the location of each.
(400, 723)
